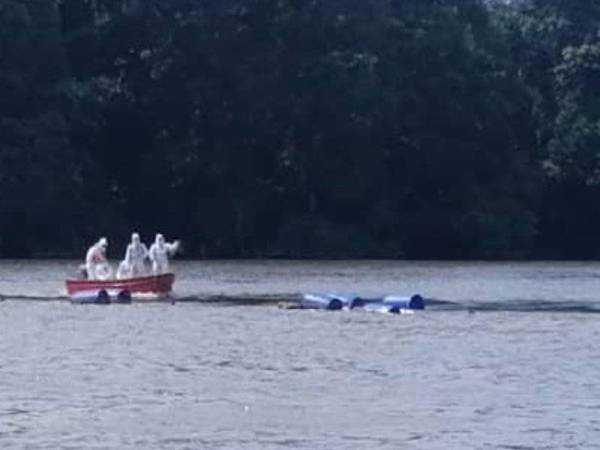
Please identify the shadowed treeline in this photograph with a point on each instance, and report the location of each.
(302, 128)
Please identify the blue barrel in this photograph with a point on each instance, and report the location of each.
(364, 302)
(380, 307)
(334, 302)
(101, 296)
(123, 296)
(401, 302)
(390, 303)
(91, 297)
(331, 302)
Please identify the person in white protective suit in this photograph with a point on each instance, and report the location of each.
(135, 256)
(160, 252)
(96, 265)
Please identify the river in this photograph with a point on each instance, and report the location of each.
(505, 356)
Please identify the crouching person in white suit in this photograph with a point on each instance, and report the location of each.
(160, 252)
(133, 263)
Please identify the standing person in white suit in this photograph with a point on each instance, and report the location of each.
(135, 255)
(96, 265)
(160, 252)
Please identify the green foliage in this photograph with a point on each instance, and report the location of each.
(557, 42)
(376, 128)
(39, 176)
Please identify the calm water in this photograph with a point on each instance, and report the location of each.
(507, 357)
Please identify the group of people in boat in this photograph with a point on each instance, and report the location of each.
(134, 264)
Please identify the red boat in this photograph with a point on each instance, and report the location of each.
(160, 284)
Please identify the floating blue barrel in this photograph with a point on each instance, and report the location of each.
(101, 296)
(394, 304)
(384, 308)
(389, 303)
(91, 297)
(401, 302)
(123, 296)
(332, 302)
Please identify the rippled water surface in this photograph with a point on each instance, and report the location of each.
(506, 356)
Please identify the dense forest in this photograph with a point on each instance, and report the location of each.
(302, 128)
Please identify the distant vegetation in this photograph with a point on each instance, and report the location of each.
(302, 128)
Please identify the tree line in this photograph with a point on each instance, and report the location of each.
(302, 128)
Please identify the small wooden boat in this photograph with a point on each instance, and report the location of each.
(159, 284)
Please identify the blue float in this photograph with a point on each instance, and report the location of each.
(384, 308)
(101, 297)
(331, 302)
(395, 304)
(412, 302)
(335, 302)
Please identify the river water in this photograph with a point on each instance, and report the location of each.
(506, 356)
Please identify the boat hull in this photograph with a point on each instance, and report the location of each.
(160, 284)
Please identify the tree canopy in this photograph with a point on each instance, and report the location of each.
(302, 128)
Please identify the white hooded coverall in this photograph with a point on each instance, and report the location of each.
(160, 252)
(96, 264)
(135, 254)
